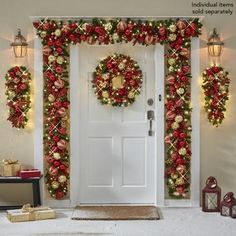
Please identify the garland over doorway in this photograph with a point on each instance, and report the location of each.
(58, 35)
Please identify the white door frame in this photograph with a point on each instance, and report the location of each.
(160, 151)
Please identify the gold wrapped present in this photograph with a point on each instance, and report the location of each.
(28, 213)
(9, 167)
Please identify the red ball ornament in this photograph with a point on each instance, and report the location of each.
(53, 171)
(59, 69)
(23, 86)
(162, 31)
(62, 111)
(62, 167)
(59, 194)
(184, 79)
(180, 189)
(176, 134)
(56, 138)
(59, 50)
(182, 144)
(62, 130)
(186, 69)
(180, 161)
(182, 135)
(57, 104)
(56, 163)
(61, 144)
(49, 159)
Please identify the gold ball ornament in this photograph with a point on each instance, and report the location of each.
(57, 32)
(131, 95)
(51, 58)
(62, 179)
(179, 181)
(105, 94)
(55, 185)
(60, 60)
(51, 98)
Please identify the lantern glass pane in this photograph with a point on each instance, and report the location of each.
(214, 50)
(225, 211)
(211, 201)
(19, 51)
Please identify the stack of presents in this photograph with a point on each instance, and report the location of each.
(13, 169)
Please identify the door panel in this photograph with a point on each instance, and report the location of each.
(116, 155)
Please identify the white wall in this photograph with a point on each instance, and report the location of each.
(218, 145)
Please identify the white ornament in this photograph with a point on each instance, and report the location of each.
(51, 98)
(60, 60)
(172, 37)
(62, 179)
(121, 66)
(171, 61)
(171, 68)
(51, 58)
(43, 34)
(56, 155)
(58, 32)
(178, 118)
(108, 26)
(182, 151)
(180, 91)
(174, 125)
(172, 28)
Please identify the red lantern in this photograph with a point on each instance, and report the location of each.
(211, 195)
(228, 205)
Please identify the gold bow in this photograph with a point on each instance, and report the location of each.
(28, 208)
(9, 162)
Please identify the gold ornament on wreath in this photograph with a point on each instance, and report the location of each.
(117, 80)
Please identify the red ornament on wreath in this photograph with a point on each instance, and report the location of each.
(117, 80)
(61, 144)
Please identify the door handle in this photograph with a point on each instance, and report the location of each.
(150, 117)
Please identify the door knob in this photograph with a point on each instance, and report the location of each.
(150, 117)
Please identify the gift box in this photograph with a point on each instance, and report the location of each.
(28, 213)
(9, 167)
(29, 173)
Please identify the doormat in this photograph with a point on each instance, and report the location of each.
(116, 213)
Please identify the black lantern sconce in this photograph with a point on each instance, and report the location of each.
(215, 45)
(19, 46)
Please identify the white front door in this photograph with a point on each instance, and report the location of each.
(116, 155)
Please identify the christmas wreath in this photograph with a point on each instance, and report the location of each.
(18, 95)
(216, 90)
(117, 80)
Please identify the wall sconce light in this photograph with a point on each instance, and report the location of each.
(215, 45)
(19, 46)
